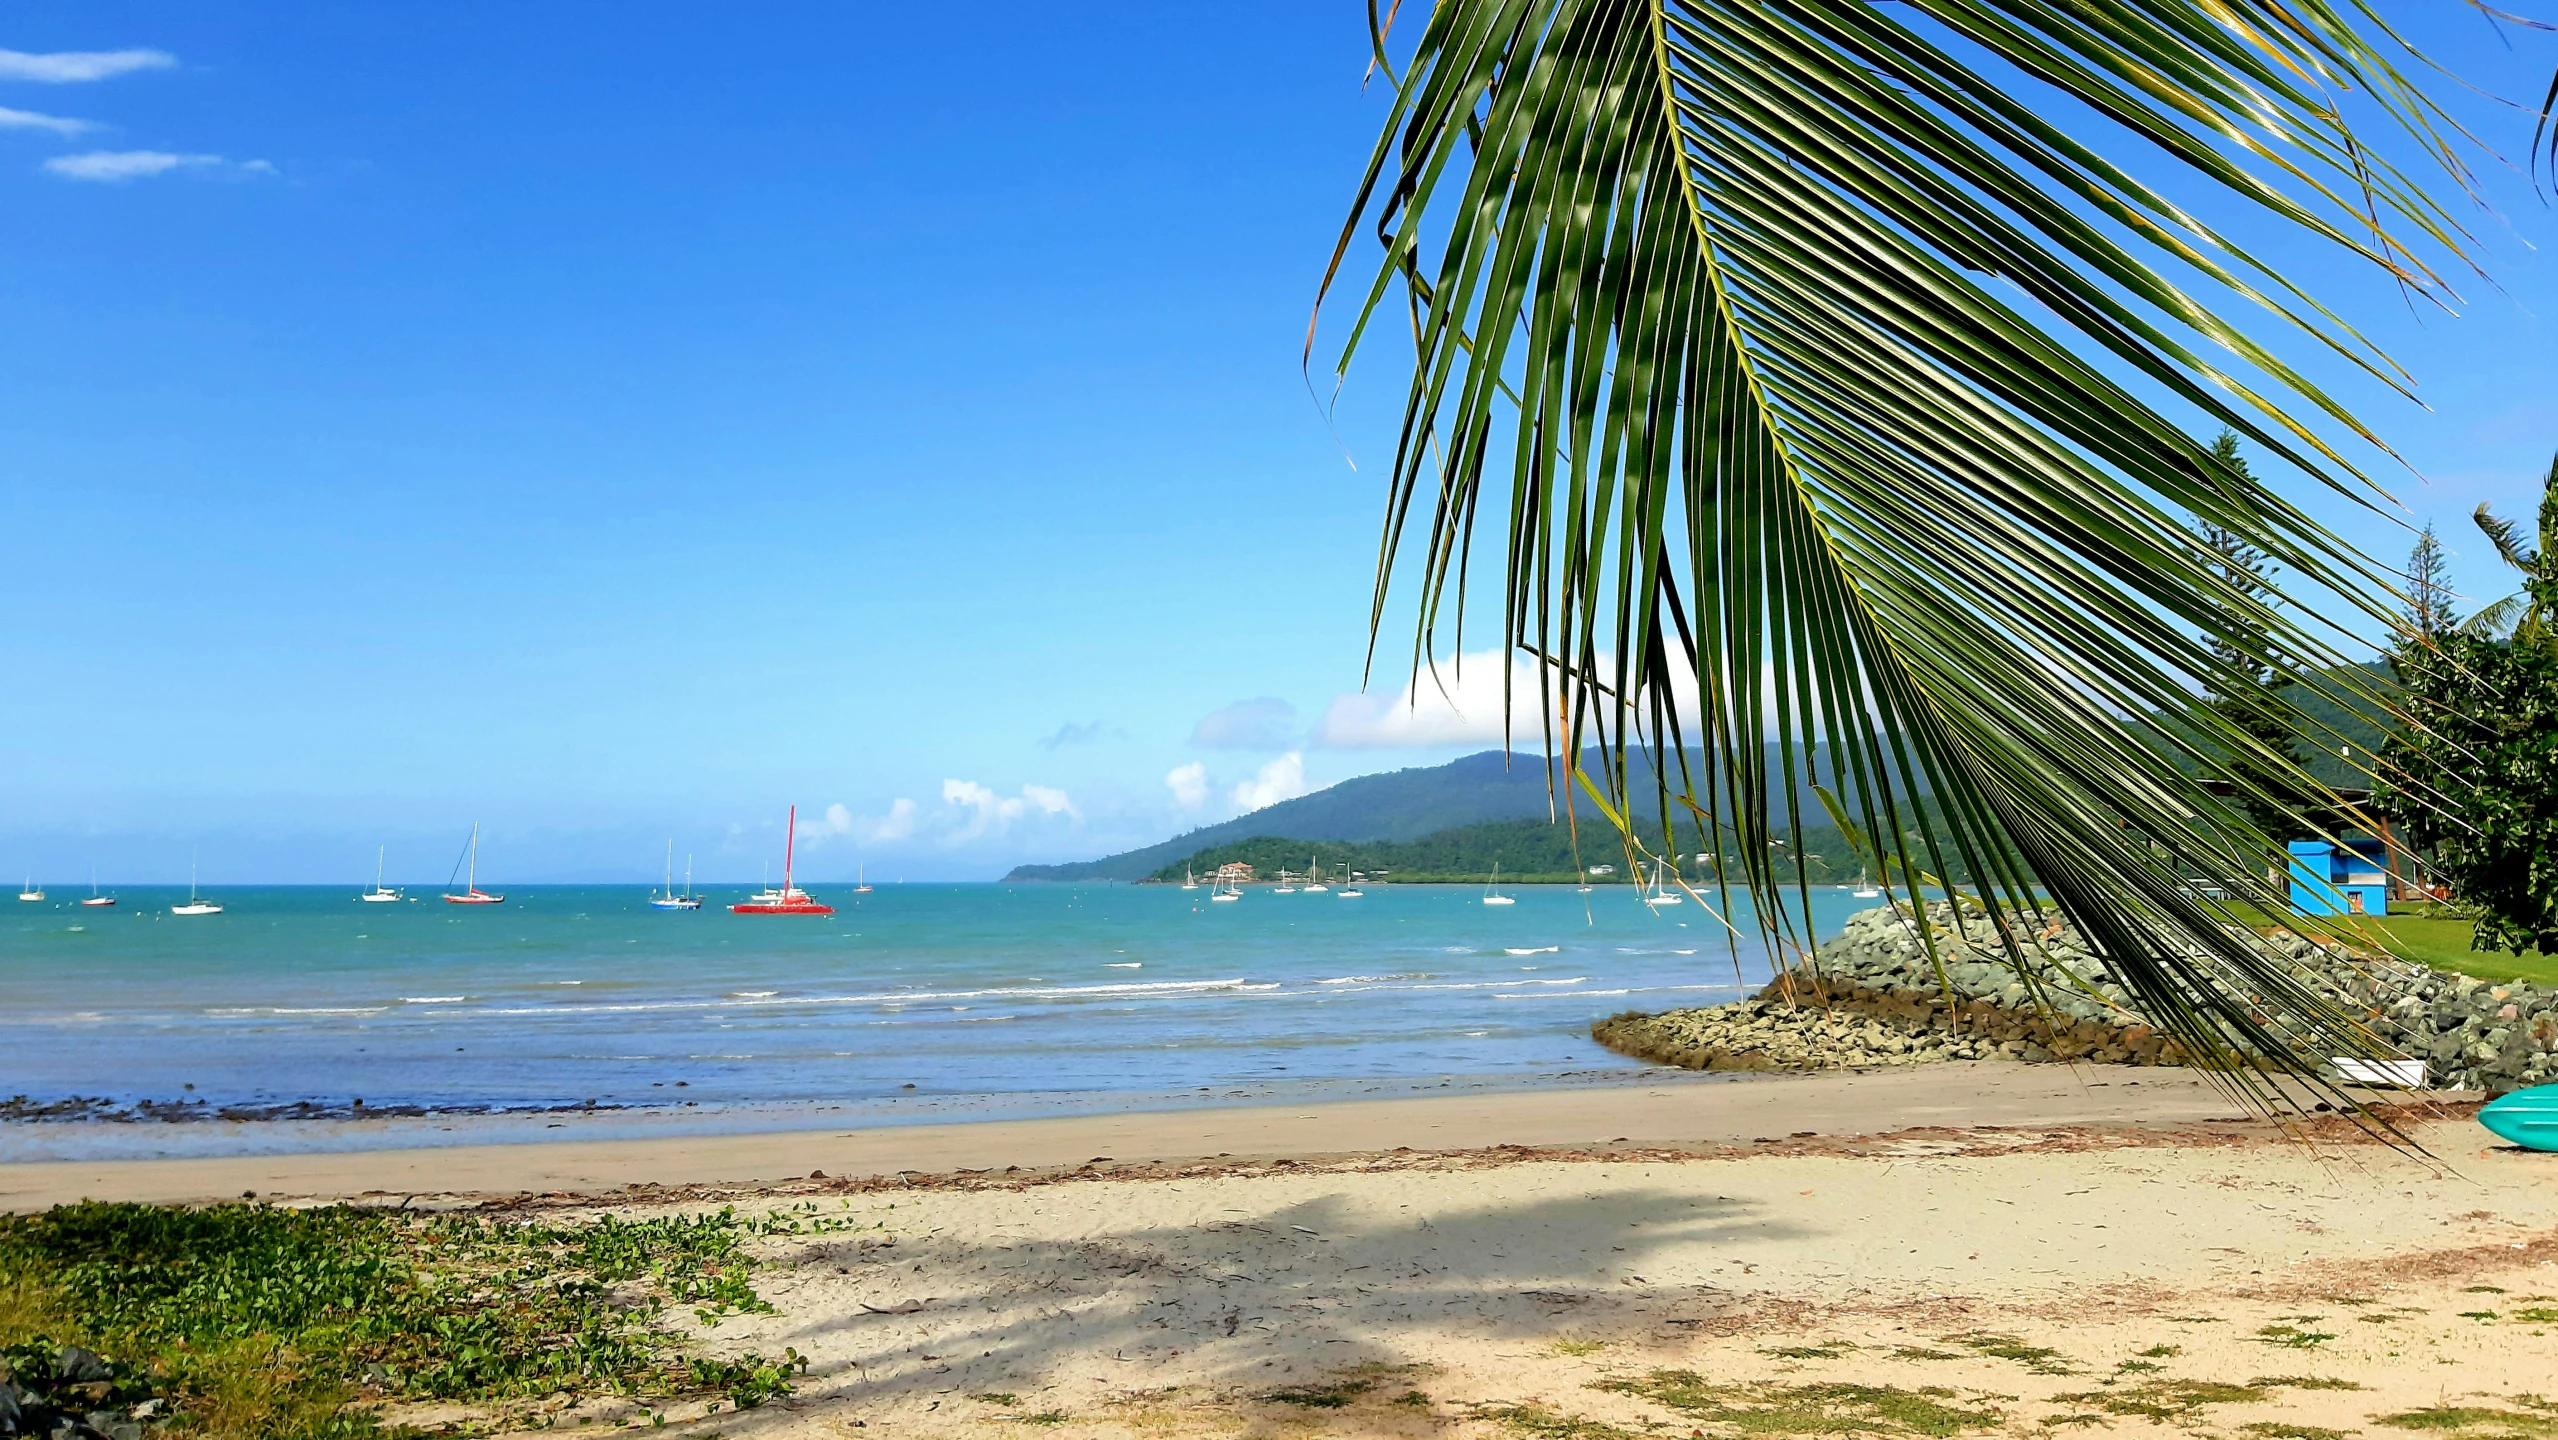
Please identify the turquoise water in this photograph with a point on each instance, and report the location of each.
(1014, 998)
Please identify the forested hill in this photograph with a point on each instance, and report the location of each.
(1401, 805)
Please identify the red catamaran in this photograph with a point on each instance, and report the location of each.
(790, 899)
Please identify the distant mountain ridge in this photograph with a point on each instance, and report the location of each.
(1395, 805)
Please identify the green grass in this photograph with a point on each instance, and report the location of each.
(1806, 1409)
(2037, 1358)
(2473, 1422)
(2164, 1400)
(248, 1320)
(1335, 1396)
(2428, 935)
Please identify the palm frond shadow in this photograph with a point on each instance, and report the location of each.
(1217, 1294)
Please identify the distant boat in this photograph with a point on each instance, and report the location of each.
(670, 900)
(471, 894)
(1188, 881)
(1492, 892)
(194, 906)
(861, 874)
(1314, 877)
(790, 899)
(1227, 889)
(1865, 885)
(1350, 892)
(1660, 894)
(96, 901)
(380, 894)
(1287, 883)
(31, 892)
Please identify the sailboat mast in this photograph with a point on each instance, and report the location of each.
(790, 837)
(474, 884)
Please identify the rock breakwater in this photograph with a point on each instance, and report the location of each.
(1875, 999)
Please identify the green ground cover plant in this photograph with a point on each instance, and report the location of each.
(1807, 1409)
(293, 1324)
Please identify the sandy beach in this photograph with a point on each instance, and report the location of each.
(1969, 1249)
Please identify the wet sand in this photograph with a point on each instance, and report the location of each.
(1680, 1111)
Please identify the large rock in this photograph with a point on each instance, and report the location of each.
(1874, 997)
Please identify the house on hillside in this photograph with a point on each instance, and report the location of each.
(1233, 872)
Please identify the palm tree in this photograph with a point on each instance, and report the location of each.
(1794, 328)
(2529, 617)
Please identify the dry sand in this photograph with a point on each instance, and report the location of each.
(2143, 1270)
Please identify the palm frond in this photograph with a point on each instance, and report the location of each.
(2494, 621)
(2506, 537)
(1792, 327)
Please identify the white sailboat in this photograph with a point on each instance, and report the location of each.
(96, 901)
(669, 900)
(1314, 877)
(1492, 892)
(1865, 884)
(1227, 889)
(1188, 880)
(380, 894)
(861, 875)
(1351, 890)
(194, 906)
(1660, 894)
(31, 892)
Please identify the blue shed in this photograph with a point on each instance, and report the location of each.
(2347, 878)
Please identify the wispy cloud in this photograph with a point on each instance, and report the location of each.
(1268, 723)
(1072, 733)
(1188, 784)
(115, 166)
(72, 66)
(30, 120)
(1281, 779)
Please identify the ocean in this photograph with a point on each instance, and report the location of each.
(263, 1026)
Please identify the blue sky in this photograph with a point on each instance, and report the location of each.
(618, 422)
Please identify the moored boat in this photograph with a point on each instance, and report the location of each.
(790, 899)
(472, 894)
(380, 894)
(669, 900)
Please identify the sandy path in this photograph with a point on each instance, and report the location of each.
(1683, 1110)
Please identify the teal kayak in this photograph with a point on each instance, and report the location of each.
(2528, 1118)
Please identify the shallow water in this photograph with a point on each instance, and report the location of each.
(987, 999)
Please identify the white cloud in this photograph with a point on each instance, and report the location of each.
(118, 165)
(898, 823)
(71, 66)
(30, 120)
(1268, 723)
(1189, 785)
(839, 821)
(1281, 779)
(995, 814)
(1460, 705)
